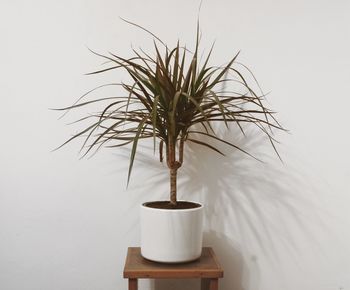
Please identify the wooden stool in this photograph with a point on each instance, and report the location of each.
(207, 268)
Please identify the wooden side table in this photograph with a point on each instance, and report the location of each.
(206, 268)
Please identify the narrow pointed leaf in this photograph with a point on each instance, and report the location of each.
(134, 147)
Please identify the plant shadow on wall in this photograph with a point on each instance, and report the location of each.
(253, 210)
(233, 187)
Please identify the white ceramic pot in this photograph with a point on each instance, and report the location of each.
(171, 236)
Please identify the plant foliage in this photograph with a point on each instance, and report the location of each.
(171, 92)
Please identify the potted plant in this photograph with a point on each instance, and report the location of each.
(172, 98)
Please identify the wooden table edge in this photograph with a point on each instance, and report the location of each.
(172, 274)
(169, 273)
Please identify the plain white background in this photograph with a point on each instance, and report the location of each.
(65, 223)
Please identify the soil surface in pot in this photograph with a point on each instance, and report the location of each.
(168, 205)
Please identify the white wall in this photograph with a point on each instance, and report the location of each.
(65, 223)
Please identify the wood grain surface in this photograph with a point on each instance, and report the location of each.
(207, 266)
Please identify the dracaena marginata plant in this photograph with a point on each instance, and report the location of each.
(170, 93)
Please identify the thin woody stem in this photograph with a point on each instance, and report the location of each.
(173, 171)
(161, 151)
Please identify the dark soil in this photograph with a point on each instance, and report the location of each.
(168, 205)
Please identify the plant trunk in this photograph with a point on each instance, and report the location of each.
(173, 178)
(174, 165)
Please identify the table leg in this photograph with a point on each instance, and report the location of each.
(132, 284)
(214, 284)
(209, 284)
(204, 284)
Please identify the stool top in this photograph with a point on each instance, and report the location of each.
(207, 266)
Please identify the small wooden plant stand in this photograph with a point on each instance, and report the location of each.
(206, 268)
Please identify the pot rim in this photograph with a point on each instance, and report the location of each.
(143, 205)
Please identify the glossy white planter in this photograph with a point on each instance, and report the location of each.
(171, 236)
